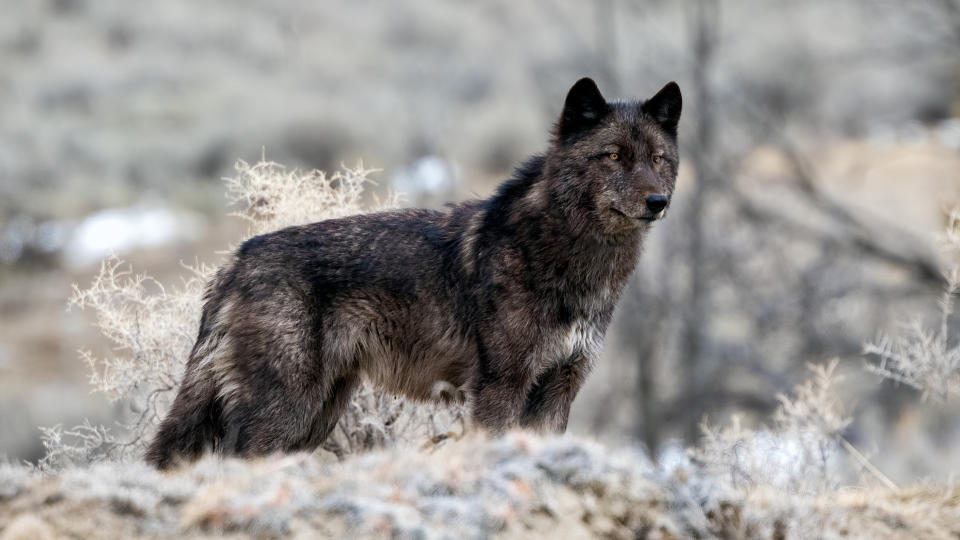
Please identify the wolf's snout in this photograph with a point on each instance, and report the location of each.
(656, 203)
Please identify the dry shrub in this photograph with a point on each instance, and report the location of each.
(271, 197)
(794, 452)
(924, 358)
(152, 328)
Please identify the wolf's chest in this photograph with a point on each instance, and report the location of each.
(580, 338)
(583, 335)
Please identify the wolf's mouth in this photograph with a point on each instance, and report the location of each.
(645, 219)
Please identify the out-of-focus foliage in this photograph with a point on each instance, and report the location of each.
(928, 360)
(794, 454)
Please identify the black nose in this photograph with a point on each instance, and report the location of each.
(656, 203)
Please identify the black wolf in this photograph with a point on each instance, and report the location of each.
(506, 299)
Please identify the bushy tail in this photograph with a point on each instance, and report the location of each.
(192, 424)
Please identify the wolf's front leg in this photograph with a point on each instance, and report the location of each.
(499, 400)
(547, 405)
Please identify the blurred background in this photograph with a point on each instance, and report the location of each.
(820, 152)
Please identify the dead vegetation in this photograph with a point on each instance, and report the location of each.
(924, 358)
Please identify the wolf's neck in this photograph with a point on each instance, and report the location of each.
(584, 263)
(560, 252)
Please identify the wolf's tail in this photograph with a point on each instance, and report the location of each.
(194, 421)
(192, 424)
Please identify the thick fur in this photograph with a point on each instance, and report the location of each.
(505, 299)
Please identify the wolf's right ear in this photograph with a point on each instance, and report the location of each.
(584, 108)
(665, 107)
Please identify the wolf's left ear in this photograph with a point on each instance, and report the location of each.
(665, 107)
(584, 108)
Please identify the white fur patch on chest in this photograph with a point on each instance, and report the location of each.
(581, 337)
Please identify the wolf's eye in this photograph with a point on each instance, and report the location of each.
(614, 156)
(657, 158)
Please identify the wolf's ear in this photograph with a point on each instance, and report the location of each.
(665, 107)
(583, 109)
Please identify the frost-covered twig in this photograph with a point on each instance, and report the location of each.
(75, 446)
(920, 357)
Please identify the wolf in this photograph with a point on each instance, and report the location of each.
(506, 299)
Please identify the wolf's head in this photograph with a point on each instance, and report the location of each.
(613, 165)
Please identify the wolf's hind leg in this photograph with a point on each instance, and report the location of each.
(288, 391)
(285, 420)
(329, 414)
